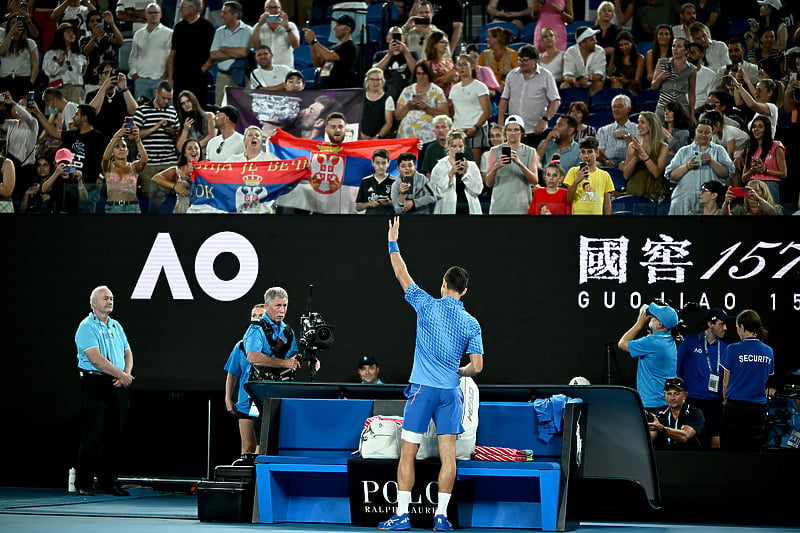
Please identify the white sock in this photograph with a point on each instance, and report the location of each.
(444, 501)
(403, 499)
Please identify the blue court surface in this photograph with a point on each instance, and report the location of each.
(53, 510)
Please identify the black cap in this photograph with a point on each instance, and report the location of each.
(675, 383)
(367, 360)
(228, 110)
(347, 20)
(715, 313)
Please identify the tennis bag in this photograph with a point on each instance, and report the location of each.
(380, 438)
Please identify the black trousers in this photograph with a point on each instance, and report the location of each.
(743, 426)
(103, 413)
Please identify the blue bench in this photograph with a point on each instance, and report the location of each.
(303, 475)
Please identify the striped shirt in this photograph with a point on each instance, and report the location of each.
(160, 145)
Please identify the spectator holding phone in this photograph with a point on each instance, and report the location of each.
(411, 194)
(765, 158)
(512, 171)
(763, 98)
(418, 104)
(694, 165)
(589, 187)
(121, 175)
(456, 182)
(757, 201)
(418, 27)
(113, 100)
(375, 190)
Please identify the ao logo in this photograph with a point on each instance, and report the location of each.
(163, 257)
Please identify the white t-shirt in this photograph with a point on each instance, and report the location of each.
(219, 149)
(268, 78)
(466, 107)
(278, 42)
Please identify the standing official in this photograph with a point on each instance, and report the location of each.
(105, 363)
(445, 332)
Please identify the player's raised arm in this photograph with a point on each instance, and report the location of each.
(399, 266)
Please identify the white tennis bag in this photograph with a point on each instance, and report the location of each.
(465, 442)
(380, 438)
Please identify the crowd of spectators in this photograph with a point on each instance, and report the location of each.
(688, 102)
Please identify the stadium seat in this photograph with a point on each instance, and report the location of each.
(616, 177)
(527, 33)
(302, 57)
(322, 31)
(737, 28)
(310, 77)
(375, 13)
(632, 205)
(485, 29)
(647, 100)
(599, 119)
(376, 34)
(572, 94)
(601, 100)
(517, 46)
(644, 47)
(573, 26)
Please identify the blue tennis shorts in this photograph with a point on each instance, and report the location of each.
(444, 406)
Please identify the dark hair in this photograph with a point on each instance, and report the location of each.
(556, 166)
(619, 56)
(705, 122)
(751, 322)
(335, 115)
(234, 7)
(456, 279)
(681, 117)
(196, 113)
(572, 122)
(696, 45)
(725, 99)
(434, 38)
(736, 40)
(714, 117)
(766, 141)
(59, 43)
(765, 29)
(529, 51)
(163, 86)
(582, 107)
(426, 68)
(589, 142)
(656, 47)
(89, 112)
(264, 47)
(94, 13)
(406, 156)
(472, 48)
(504, 35)
(381, 152)
(182, 159)
(715, 187)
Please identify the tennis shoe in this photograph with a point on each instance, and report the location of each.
(441, 523)
(397, 523)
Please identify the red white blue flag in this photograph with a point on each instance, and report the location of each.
(336, 169)
(250, 187)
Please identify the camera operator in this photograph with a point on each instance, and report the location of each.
(677, 427)
(699, 363)
(656, 352)
(277, 352)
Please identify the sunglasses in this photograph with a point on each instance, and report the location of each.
(219, 148)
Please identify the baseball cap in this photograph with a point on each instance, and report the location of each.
(367, 360)
(714, 314)
(667, 315)
(347, 20)
(775, 4)
(515, 119)
(231, 112)
(583, 33)
(675, 383)
(63, 155)
(579, 380)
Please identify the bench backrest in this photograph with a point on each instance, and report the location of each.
(316, 427)
(514, 425)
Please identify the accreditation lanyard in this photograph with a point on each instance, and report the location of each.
(708, 359)
(673, 425)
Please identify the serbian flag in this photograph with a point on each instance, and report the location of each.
(336, 169)
(249, 187)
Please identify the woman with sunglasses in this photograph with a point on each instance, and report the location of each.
(418, 104)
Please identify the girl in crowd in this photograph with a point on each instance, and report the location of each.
(580, 111)
(768, 17)
(764, 158)
(552, 58)
(498, 55)
(34, 200)
(676, 79)
(694, 165)
(711, 194)
(627, 65)
(65, 64)
(437, 54)
(456, 182)
(767, 56)
(554, 14)
(195, 122)
(676, 128)
(662, 48)
(758, 202)
(418, 104)
(768, 97)
(377, 115)
(731, 137)
(470, 99)
(646, 158)
(179, 177)
(120, 175)
(19, 62)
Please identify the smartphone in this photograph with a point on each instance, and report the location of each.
(583, 165)
(728, 81)
(273, 18)
(71, 169)
(460, 156)
(397, 36)
(792, 76)
(129, 123)
(739, 192)
(505, 151)
(422, 20)
(696, 157)
(31, 98)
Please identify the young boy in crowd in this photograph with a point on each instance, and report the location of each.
(294, 81)
(552, 198)
(589, 188)
(375, 191)
(411, 193)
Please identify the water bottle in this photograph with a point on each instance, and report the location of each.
(71, 480)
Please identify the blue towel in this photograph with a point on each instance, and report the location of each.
(550, 415)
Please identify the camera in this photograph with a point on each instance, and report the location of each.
(397, 36)
(316, 335)
(273, 18)
(422, 20)
(739, 192)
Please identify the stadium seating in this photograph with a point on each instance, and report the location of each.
(616, 177)
(302, 57)
(601, 100)
(527, 33)
(572, 94)
(632, 205)
(647, 100)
